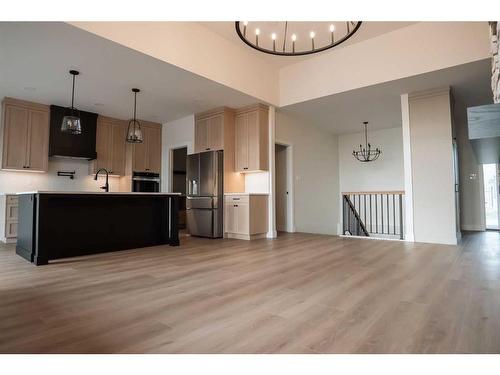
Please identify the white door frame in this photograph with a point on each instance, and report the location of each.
(483, 197)
(290, 206)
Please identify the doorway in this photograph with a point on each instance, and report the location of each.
(284, 188)
(491, 177)
(178, 178)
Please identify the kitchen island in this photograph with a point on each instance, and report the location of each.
(54, 225)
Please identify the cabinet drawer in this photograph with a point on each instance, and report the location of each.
(10, 230)
(236, 198)
(11, 212)
(12, 199)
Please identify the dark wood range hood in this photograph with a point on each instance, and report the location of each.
(82, 146)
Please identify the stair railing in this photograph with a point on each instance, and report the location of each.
(373, 213)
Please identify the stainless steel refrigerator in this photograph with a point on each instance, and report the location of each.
(205, 194)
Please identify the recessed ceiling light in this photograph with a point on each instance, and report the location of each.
(29, 88)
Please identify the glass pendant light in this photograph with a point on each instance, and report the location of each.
(134, 132)
(71, 123)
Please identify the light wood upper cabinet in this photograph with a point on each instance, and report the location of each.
(154, 148)
(209, 133)
(25, 135)
(214, 130)
(201, 135)
(147, 155)
(252, 139)
(241, 142)
(110, 146)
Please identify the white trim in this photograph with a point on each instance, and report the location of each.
(290, 214)
(371, 238)
(272, 233)
(408, 179)
(428, 93)
(481, 198)
(475, 228)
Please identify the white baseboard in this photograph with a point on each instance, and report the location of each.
(370, 238)
(8, 240)
(476, 228)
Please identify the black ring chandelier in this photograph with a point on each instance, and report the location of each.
(292, 39)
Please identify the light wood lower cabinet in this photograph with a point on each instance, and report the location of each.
(25, 135)
(8, 218)
(245, 216)
(111, 146)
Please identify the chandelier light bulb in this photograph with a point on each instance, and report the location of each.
(312, 34)
(332, 28)
(294, 37)
(257, 32)
(245, 23)
(273, 36)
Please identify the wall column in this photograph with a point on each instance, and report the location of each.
(408, 184)
(272, 180)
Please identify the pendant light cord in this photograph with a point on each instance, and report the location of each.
(366, 137)
(284, 38)
(73, 94)
(135, 106)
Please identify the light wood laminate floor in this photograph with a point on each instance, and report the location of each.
(301, 293)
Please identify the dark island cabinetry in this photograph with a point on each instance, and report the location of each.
(55, 225)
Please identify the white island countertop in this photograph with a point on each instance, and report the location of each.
(229, 194)
(92, 192)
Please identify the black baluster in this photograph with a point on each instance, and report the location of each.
(382, 212)
(394, 213)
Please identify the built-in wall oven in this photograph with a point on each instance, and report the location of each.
(146, 182)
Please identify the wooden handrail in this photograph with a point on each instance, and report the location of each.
(396, 192)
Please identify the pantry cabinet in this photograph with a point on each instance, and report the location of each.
(25, 135)
(251, 138)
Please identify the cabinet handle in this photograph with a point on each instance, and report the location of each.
(245, 168)
(235, 205)
(147, 169)
(207, 149)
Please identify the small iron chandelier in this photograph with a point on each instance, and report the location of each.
(295, 38)
(71, 123)
(366, 154)
(134, 132)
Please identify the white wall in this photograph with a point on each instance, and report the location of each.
(432, 167)
(13, 182)
(384, 174)
(315, 169)
(197, 49)
(175, 134)
(419, 48)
